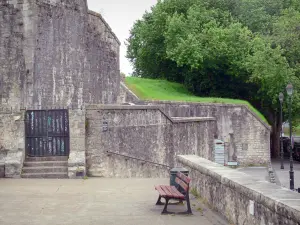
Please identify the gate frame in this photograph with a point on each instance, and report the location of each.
(27, 122)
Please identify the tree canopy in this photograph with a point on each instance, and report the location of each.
(247, 49)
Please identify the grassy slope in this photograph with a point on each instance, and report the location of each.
(148, 89)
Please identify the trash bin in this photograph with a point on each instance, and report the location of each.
(173, 173)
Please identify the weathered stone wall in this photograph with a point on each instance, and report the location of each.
(102, 77)
(247, 138)
(126, 96)
(12, 61)
(239, 197)
(77, 161)
(194, 137)
(143, 132)
(59, 54)
(12, 143)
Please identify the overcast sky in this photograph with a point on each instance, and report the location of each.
(120, 15)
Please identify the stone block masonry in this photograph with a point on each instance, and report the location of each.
(12, 60)
(12, 143)
(77, 161)
(143, 132)
(56, 54)
(239, 197)
(246, 136)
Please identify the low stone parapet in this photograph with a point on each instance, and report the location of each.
(239, 197)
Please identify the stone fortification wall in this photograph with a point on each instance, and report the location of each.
(102, 78)
(12, 143)
(239, 197)
(247, 138)
(77, 161)
(12, 60)
(126, 96)
(60, 55)
(143, 132)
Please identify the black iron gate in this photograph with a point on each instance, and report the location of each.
(47, 133)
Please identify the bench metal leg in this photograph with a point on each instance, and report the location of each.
(159, 201)
(165, 211)
(189, 210)
(188, 204)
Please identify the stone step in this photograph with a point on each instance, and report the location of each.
(49, 158)
(46, 164)
(52, 169)
(45, 175)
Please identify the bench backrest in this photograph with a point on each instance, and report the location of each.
(183, 181)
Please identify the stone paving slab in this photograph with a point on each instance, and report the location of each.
(92, 201)
(283, 176)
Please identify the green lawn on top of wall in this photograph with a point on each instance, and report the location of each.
(150, 89)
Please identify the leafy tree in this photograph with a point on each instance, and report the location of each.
(246, 49)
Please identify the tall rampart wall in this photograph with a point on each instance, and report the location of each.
(56, 54)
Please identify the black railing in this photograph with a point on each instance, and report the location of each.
(130, 157)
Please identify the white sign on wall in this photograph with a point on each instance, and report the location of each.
(220, 152)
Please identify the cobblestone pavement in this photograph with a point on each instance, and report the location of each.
(92, 201)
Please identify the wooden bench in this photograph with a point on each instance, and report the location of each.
(171, 193)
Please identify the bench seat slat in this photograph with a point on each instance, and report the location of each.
(166, 190)
(161, 191)
(169, 191)
(176, 192)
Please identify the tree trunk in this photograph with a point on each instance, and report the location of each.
(275, 137)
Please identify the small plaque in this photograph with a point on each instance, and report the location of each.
(232, 163)
(105, 127)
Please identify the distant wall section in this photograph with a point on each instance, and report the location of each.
(246, 137)
(143, 132)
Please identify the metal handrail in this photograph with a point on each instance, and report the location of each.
(126, 156)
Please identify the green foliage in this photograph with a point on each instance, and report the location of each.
(149, 89)
(242, 49)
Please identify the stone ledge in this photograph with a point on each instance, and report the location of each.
(278, 200)
(150, 107)
(212, 104)
(192, 119)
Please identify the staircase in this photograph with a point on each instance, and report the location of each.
(45, 167)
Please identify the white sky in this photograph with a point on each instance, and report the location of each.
(121, 15)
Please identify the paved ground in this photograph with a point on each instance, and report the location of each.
(283, 176)
(92, 201)
(260, 173)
